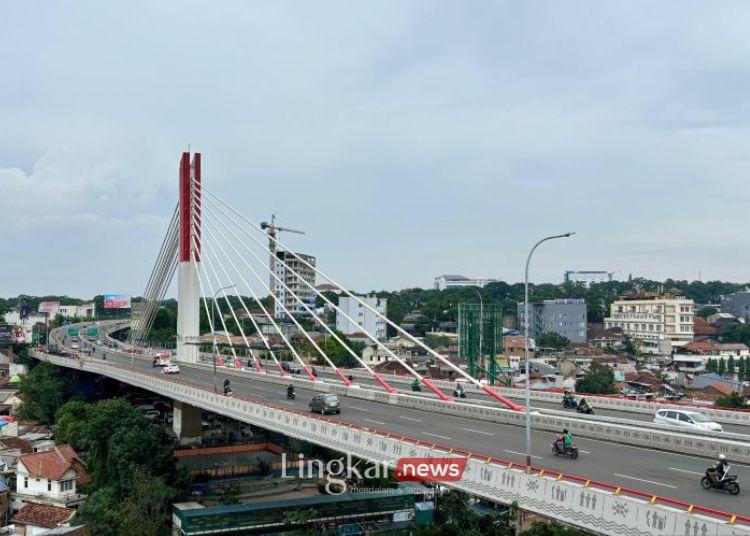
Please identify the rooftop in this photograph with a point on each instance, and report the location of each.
(53, 464)
(42, 515)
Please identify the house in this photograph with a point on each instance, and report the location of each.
(12, 448)
(33, 518)
(720, 320)
(703, 347)
(601, 337)
(702, 330)
(733, 349)
(373, 355)
(711, 384)
(51, 477)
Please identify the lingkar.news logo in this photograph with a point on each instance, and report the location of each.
(430, 469)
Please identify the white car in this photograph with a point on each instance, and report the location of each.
(170, 368)
(686, 419)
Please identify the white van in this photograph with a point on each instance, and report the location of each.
(686, 419)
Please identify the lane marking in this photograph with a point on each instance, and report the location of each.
(374, 422)
(409, 418)
(647, 481)
(685, 471)
(477, 431)
(358, 409)
(435, 435)
(584, 451)
(522, 454)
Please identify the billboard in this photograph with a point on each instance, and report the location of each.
(49, 306)
(116, 301)
(11, 334)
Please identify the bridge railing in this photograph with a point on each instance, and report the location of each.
(596, 506)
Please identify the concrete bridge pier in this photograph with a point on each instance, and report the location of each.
(186, 423)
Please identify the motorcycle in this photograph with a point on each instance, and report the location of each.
(584, 408)
(569, 402)
(415, 386)
(459, 393)
(728, 483)
(570, 450)
(290, 395)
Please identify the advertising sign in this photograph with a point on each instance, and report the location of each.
(20, 335)
(116, 301)
(49, 306)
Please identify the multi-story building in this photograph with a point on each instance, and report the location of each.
(653, 318)
(587, 277)
(565, 317)
(285, 263)
(458, 281)
(737, 304)
(365, 319)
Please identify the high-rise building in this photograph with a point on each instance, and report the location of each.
(365, 319)
(653, 319)
(737, 304)
(285, 263)
(457, 281)
(587, 277)
(565, 317)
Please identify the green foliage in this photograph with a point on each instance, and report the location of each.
(117, 439)
(732, 400)
(550, 339)
(730, 365)
(333, 349)
(599, 380)
(553, 529)
(705, 312)
(722, 366)
(736, 333)
(712, 365)
(44, 389)
(436, 342)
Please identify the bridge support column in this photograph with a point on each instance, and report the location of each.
(188, 290)
(186, 423)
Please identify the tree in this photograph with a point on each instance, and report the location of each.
(722, 366)
(599, 380)
(550, 339)
(732, 400)
(741, 369)
(705, 312)
(736, 333)
(711, 365)
(631, 346)
(146, 506)
(44, 389)
(730, 365)
(101, 512)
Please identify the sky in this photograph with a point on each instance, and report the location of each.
(408, 139)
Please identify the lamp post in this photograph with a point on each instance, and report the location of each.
(526, 341)
(213, 326)
(481, 321)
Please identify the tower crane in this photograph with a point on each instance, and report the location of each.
(271, 230)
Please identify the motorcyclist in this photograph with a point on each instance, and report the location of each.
(459, 390)
(564, 441)
(226, 386)
(719, 471)
(415, 385)
(568, 398)
(290, 390)
(582, 404)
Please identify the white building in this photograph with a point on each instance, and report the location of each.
(365, 319)
(51, 477)
(654, 319)
(458, 281)
(285, 263)
(587, 277)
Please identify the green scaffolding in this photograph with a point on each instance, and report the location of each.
(475, 319)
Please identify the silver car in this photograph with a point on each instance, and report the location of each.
(686, 419)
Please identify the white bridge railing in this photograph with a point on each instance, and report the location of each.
(595, 506)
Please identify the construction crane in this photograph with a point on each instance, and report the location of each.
(271, 229)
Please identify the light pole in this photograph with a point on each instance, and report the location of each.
(526, 341)
(213, 328)
(481, 321)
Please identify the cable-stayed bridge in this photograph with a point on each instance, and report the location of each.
(634, 478)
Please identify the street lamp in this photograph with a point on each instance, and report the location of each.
(526, 341)
(213, 326)
(481, 321)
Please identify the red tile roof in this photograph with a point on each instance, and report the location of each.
(17, 443)
(722, 387)
(699, 347)
(733, 346)
(701, 327)
(42, 515)
(53, 464)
